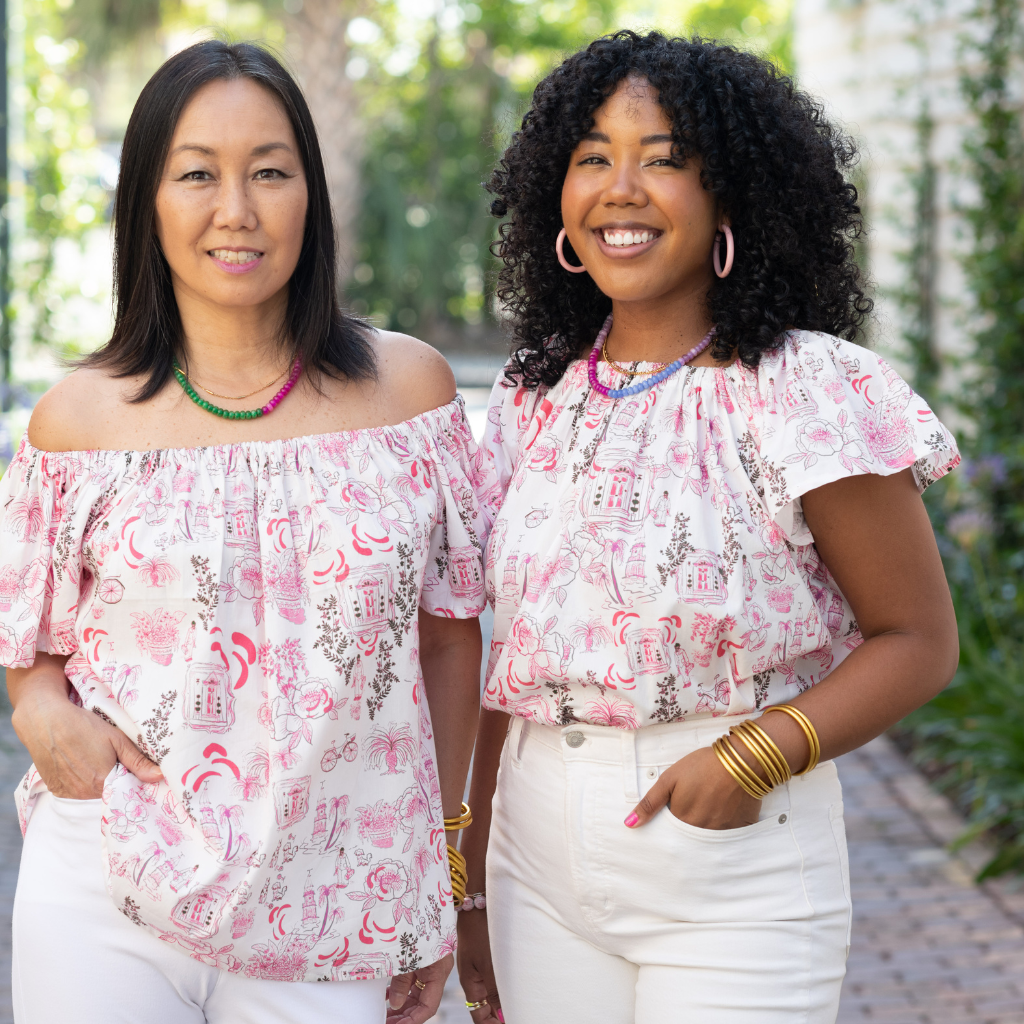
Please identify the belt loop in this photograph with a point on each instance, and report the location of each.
(629, 773)
(515, 738)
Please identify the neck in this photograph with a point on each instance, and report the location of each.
(660, 330)
(234, 345)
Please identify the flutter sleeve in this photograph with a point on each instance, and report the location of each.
(42, 522)
(831, 409)
(464, 477)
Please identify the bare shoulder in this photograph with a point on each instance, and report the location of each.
(413, 376)
(79, 413)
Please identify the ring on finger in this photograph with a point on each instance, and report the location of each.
(421, 985)
(476, 1006)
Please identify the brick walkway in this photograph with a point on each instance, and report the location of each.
(929, 946)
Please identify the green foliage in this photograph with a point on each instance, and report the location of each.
(975, 730)
(62, 191)
(764, 26)
(972, 738)
(441, 97)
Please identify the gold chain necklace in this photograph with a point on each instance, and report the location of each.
(232, 398)
(625, 370)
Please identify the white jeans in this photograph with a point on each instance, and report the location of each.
(593, 922)
(77, 958)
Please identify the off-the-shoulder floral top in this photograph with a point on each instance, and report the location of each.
(650, 562)
(247, 613)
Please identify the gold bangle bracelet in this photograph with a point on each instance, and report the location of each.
(766, 750)
(739, 770)
(809, 731)
(459, 821)
(460, 876)
(737, 757)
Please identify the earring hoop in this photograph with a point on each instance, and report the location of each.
(730, 251)
(561, 256)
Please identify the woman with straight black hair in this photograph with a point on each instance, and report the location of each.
(240, 577)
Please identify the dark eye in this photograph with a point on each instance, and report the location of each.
(196, 176)
(662, 161)
(593, 159)
(268, 174)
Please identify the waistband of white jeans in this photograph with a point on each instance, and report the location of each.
(653, 744)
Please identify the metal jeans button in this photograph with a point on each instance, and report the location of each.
(574, 739)
(783, 818)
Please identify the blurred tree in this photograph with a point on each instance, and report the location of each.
(442, 94)
(61, 189)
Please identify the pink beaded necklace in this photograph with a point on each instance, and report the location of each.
(657, 378)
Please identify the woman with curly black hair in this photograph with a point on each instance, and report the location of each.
(710, 512)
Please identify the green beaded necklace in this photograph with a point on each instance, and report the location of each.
(238, 414)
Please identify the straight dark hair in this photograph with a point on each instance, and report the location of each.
(147, 334)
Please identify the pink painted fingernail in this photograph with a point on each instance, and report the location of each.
(500, 1016)
(632, 820)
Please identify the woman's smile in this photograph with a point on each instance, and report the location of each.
(625, 241)
(236, 261)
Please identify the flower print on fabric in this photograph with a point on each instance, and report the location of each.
(650, 560)
(247, 614)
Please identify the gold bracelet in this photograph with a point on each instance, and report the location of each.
(765, 750)
(459, 821)
(460, 876)
(740, 770)
(809, 731)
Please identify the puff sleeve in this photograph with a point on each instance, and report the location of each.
(832, 409)
(42, 522)
(464, 477)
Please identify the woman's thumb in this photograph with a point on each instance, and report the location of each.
(656, 798)
(135, 760)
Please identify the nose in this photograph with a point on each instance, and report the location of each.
(235, 210)
(624, 187)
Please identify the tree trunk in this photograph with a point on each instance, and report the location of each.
(320, 52)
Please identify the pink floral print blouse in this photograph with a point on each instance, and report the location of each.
(650, 562)
(247, 613)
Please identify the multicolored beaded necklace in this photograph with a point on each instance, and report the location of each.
(656, 378)
(239, 414)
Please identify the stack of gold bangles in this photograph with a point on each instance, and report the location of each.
(766, 752)
(456, 862)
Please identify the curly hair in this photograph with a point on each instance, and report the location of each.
(767, 152)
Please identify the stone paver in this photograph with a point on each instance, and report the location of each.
(929, 946)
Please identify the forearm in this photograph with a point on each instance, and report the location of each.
(880, 683)
(44, 680)
(490, 738)
(450, 653)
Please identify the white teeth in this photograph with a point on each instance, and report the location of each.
(628, 237)
(230, 256)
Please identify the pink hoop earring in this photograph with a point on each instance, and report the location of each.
(730, 251)
(561, 256)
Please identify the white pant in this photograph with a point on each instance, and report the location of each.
(78, 959)
(593, 922)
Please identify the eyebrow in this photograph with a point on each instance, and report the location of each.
(194, 147)
(647, 140)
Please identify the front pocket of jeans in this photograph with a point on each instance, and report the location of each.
(753, 873)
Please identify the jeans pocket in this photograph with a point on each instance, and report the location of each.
(752, 873)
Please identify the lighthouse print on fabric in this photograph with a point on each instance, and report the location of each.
(247, 614)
